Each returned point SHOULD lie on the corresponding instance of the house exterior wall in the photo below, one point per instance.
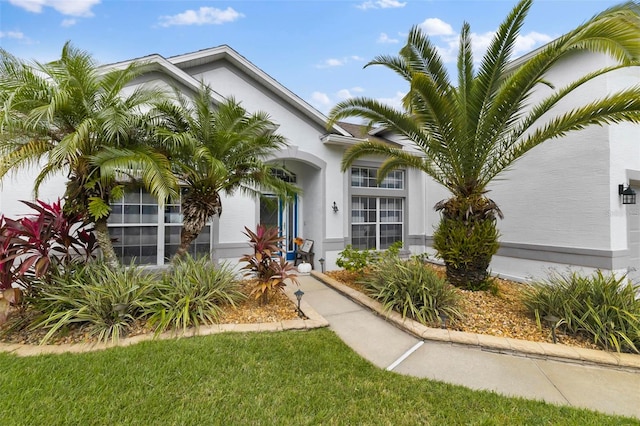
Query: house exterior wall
(560, 201)
(18, 187)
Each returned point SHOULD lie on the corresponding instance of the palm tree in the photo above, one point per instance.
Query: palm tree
(70, 116)
(216, 149)
(470, 133)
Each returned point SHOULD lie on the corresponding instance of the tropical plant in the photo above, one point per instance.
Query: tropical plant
(35, 246)
(605, 307)
(413, 290)
(8, 254)
(470, 131)
(353, 260)
(105, 300)
(193, 293)
(266, 265)
(467, 243)
(50, 238)
(72, 117)
(216, 149)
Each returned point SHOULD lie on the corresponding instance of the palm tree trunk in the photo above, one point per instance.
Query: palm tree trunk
(197, 208)
(466, 239)
(188, 233)
(466, 247)
(104, 241)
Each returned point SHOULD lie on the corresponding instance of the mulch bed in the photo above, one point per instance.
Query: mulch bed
(250, 311)
(501, 314)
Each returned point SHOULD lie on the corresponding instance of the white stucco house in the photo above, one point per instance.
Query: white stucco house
(561, 203)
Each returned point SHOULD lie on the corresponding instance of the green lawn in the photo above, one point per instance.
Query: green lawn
(293, 377)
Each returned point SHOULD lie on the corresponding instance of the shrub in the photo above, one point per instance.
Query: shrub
(192, 294)
(265, 264)
(46, 240)
(466, 247)
(354, 260)
(412, 289)
(106, 300)
(603, 306)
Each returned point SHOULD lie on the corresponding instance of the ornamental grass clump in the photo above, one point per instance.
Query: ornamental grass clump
(604, 307)
(106, 300)
(413, 290)
(192, 294)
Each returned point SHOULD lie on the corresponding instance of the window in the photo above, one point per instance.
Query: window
(137, 229)
(377, 211)
(365, 177)
(173, 225)
(133, 225)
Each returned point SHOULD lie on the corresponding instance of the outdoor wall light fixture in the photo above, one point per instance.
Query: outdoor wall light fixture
(299, 293)
(628, 194)
(335, 207)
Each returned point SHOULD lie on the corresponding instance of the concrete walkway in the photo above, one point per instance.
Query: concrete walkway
(605, 388)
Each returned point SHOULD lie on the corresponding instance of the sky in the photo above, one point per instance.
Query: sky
(315, 48)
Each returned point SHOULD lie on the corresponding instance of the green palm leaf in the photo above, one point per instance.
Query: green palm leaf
(468, 135)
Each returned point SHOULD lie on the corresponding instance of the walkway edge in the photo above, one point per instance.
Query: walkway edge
(541, 350)
(313, 320)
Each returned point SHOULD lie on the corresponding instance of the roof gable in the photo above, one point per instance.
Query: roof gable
(176, 66)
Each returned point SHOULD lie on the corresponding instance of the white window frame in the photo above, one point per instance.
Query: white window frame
(161, 224)
(394, 187)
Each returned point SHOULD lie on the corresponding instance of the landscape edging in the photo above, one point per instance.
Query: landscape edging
(506, 345)
(312, 320)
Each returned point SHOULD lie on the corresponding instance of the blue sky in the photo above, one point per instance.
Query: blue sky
(317, 49)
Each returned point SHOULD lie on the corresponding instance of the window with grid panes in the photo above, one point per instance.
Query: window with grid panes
(133, 227)
(201, 246)
(377, 216)
(137, 228)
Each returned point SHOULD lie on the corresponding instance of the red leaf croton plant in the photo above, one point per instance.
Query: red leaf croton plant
(266, 263)
(38, 245)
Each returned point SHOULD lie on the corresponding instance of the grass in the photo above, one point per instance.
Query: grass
(254, 378)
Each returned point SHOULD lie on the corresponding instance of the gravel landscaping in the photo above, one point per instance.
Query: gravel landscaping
(250, 311)
(500, 313)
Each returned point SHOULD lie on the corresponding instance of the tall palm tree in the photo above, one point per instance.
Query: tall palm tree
(471, 132)
(216, 149)
(70, 116)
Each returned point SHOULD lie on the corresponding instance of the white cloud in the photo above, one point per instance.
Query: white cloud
(348, 93)
(480, 43)
(384, 38)
(524, 43)
(449, 45)
(202, 16)
(321, 99)
(331, 63)
(395, 102)
(381, 4)
(436, 27)
(17, 35)
(338, 62)
(65, 7)
(68, 23)
(344, 94)
(528, 42)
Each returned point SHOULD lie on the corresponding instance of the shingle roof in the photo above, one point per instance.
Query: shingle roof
(360, 131)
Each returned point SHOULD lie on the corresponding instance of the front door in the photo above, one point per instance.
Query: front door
(284, 215)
